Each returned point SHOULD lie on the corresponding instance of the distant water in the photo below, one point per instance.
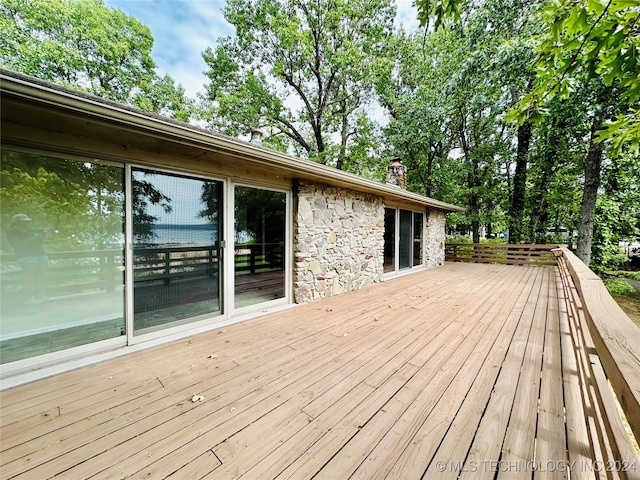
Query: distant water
(184, 234)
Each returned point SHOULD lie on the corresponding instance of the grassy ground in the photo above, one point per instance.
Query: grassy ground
(628, 298)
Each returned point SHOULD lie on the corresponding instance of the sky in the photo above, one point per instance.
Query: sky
(183, 29)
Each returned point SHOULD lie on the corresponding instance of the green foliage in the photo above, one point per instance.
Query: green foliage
(554, 190)
(617, 212)
(584, 89)
(260, 213)
(578, 39)
(86, 45)
(590, 39)
(448, 92)
(618, 287)
(166, 98)
(79, 205)
(302, 70)
(624, 274)
(413, 90)
(80, 43)
(459, 239)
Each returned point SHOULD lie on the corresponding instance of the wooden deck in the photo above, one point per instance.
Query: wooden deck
(458, 372)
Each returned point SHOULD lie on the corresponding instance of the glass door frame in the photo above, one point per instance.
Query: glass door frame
(229, 253)
(396, 261)
(30, 366)
(200, 321)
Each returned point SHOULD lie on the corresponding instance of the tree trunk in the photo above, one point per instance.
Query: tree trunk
(592, 167)
(516, 211)
(472, 181)
(474, 203)
(344, 137)
(540, 212)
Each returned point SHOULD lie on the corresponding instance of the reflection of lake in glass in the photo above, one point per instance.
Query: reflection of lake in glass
(171, 234)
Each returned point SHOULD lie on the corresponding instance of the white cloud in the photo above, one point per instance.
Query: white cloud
(183, 29)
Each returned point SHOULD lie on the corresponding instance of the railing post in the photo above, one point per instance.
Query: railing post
(210, 262)
(167, 267)
(252, 258)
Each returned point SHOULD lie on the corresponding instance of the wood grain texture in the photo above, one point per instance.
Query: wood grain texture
(463, 364)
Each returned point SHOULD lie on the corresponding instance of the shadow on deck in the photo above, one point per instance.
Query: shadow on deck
(465, 371)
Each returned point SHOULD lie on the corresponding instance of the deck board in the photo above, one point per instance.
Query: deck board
(462, 364)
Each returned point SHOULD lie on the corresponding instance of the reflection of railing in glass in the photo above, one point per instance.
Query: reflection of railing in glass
(74, 272)
(169, 263)
(258, 257)
(70, 272)
(102, 270)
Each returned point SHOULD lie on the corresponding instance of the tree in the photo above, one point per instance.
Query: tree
(301, 69)
(447, 96)
(617, 212)
(412, 89)
(85, 45)
(90, 215)
(581, 43)
(166, 98)
(558, 150)
(592, 38)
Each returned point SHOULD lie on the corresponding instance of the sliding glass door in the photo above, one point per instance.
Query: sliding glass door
(177, 261)
(61, 254)
(389, 240)
(403, 240)
(68, 280)
(260, 217)
(418, 239)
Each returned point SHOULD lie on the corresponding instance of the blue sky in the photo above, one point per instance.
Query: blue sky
(183, 29)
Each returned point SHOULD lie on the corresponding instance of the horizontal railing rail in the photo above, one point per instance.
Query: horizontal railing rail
(606, 348)
(258, 256)
(509, 254)
(70, 272)
(601, 354)
(171, 263)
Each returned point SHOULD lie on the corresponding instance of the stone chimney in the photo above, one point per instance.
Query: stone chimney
(397, 173)
(256, 136)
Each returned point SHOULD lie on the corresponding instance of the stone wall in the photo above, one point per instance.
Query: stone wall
(338, 241)
(434, 238)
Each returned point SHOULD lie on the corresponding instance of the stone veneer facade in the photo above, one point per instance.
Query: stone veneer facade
(338, 241)
(434, 238)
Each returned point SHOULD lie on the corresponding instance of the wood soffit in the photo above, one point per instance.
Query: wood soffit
(30, 102)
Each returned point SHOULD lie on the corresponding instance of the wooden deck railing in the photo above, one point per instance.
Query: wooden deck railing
(602, 351)
(519, 254)
(600, 354)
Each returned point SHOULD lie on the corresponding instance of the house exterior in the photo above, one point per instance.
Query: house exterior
(122, 229)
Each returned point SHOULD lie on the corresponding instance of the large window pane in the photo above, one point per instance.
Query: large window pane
(259, 228)
(406, 239)
(417, 238)
(176, 254)
(389, 239)
(61, 260)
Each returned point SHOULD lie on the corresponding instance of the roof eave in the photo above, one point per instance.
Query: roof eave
(24, 86)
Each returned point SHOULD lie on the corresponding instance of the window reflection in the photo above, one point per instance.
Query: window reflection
(176, 261)
(259, 230)
(389, 240)
(61, 254)
(418, 232)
